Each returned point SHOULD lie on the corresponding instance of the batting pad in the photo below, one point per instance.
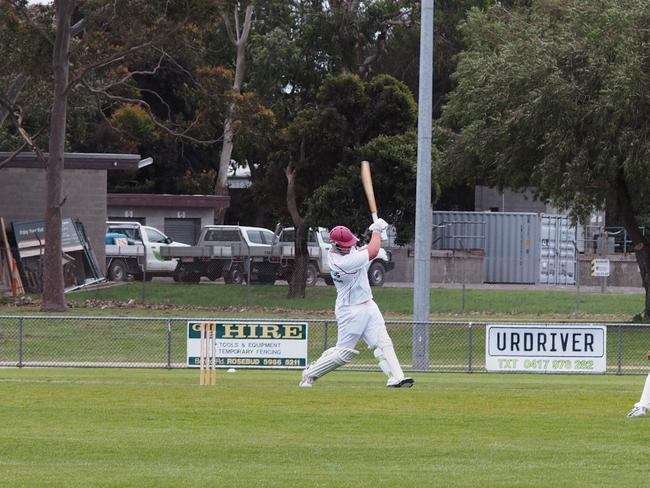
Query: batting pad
(388, 361)
(383, 364)
(331, 359)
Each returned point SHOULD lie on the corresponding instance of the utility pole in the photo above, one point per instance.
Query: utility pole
(423, 229)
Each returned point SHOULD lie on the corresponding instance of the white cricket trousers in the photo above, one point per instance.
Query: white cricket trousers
(644, 401)
(362, 321)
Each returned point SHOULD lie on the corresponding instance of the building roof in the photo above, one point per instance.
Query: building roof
(166, 200)
(125, 162)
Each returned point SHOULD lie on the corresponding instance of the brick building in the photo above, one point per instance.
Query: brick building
(23, 190)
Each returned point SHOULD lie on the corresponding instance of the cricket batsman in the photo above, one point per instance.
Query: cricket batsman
(357, 314)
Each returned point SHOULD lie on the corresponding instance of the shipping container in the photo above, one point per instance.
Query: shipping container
(519, 247)
(558, 248)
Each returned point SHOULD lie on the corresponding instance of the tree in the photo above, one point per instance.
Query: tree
(239, 38)
(320, 151)
(394, 173)
(94, 63)
(52, 269)
(555, 97)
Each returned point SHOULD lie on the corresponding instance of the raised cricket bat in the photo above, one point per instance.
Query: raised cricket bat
(366, 181)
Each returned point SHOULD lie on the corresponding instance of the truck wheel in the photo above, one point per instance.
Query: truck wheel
(266, 279)
(235, 276)
(182, 275)
(117, 271)
(311, 276)
(192, 278)
(376, 274)
(179, 274)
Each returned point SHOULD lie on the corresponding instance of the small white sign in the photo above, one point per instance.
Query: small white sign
(600, 267)
(546, 348)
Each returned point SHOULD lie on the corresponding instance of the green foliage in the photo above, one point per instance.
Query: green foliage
(393, 166)
(135, 125)
(293, 48)
(345, 94)
(553, 97)
(197, 183)
(392, 108)
(213, 93)
(354, 120)
(24, 50)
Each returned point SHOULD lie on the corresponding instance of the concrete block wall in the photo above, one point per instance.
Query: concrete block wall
(22, 198)
(446, 266)
(623, 271)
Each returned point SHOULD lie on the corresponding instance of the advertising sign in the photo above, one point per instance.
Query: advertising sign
(250, 344)
(546, 348)
(30, 237)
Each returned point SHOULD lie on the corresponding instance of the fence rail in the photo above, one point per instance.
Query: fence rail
(160, 342)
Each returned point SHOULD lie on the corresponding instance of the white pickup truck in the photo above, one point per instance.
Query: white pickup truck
(133, 249)
(223, 251)
(232, 252)
(318, 245)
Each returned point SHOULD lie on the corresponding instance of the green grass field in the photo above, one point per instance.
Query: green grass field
(99, 427)
(156, 428)
(157, 298)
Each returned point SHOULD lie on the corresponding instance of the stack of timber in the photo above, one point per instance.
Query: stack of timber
(10, 281)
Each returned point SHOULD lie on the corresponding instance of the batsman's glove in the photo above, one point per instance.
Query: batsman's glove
(379, 225)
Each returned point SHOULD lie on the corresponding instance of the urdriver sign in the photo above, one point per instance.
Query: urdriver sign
(546, 348)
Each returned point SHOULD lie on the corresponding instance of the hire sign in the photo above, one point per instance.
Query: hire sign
(248, 344)
(546, 348)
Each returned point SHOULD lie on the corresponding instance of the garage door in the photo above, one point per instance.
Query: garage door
(183, 230)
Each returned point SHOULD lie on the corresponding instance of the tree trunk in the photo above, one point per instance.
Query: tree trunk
(640, 244)
(297, 285)
(297, 280)
(643, 259)
(53, 297)
(240, 40)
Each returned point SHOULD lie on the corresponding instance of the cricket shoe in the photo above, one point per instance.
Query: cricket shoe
(637, 412)
(403, 383)
(306, 381)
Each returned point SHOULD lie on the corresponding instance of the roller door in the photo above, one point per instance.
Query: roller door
(183, 230)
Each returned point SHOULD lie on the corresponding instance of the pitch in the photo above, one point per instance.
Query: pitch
(158, 428)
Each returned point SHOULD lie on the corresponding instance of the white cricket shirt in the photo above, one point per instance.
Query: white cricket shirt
(350, 275)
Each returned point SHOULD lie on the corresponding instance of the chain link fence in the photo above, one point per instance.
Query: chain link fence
(155, 342)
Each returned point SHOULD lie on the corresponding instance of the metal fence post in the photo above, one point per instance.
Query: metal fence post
(169, 343)
(462, 302)
(247, 269)
(577, 275)
(21, 335)
(325, 336)
(470, 344)
(620, 350)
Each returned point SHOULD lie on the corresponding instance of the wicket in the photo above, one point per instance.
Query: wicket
(208, 356)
